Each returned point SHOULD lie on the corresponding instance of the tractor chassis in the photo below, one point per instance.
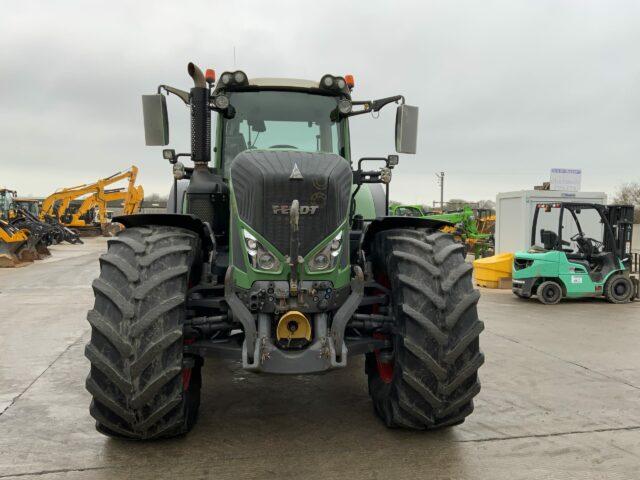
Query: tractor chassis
(254, 344)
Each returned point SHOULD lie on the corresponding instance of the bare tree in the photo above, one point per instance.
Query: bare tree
(155, 197)
(629, 194)
(487, 204)
(456, 204)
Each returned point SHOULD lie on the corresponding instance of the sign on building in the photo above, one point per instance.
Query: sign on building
(566, 179)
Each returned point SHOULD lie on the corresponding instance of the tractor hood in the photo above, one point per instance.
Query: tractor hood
(265, 184)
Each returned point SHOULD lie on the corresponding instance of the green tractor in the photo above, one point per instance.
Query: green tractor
(407, 210)
(278, 253)
(578, 250)
(461, 223)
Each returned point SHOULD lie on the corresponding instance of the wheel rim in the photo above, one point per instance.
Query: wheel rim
(620, 289)
(550, 293)
(186, 378)
(384, 366)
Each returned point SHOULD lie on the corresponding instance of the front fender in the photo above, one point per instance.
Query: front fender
(189, 222)
(387, 223)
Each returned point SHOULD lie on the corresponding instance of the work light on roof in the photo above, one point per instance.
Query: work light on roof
(327, 81)
(226, 78)
(239, 77)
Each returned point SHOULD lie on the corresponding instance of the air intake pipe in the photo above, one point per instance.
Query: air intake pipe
(200, 117)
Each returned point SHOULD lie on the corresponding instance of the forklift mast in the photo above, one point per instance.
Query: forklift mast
(620, 218)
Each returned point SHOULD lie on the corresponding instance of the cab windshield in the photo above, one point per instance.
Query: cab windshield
(280, 120)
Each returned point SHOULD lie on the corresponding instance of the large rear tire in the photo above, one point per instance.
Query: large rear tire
(428, 378)
(142, 385)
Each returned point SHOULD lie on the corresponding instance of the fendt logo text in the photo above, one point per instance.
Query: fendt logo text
(304, 209)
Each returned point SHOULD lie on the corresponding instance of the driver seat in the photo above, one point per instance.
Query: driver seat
(549, 239)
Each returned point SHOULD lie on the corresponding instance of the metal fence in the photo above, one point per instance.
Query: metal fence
(635, 262)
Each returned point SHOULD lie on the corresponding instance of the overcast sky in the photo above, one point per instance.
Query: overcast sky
(507, 89)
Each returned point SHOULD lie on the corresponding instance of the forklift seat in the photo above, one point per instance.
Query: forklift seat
(549, 239)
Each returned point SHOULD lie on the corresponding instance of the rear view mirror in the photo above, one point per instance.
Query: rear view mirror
(156, 122)
(406, 129)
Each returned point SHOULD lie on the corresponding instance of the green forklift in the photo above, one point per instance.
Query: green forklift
(577, 250)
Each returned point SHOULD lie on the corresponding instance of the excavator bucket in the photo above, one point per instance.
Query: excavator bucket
(42, 250)
(16, 246)
(8, 257)
(14, 254)
(28, 254)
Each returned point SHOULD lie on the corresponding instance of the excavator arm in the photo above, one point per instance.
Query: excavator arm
(98, 197)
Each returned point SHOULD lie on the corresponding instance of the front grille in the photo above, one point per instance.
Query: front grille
(263, 186)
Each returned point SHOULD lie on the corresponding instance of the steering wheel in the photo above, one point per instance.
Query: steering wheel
(283, 146)
(585, 244)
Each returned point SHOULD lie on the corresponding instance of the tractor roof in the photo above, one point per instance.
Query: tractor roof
(283, 82)
(332, 85)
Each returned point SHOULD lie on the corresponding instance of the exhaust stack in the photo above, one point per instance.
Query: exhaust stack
(200, 117)
(196, 74)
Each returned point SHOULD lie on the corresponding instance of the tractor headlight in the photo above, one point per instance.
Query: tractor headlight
(259, 257)
(327, 258)
(266, 261)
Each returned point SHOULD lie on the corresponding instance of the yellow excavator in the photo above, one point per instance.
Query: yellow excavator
(96, 198)
(15, 243)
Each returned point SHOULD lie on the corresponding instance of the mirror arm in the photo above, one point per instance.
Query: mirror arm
(373, 105)
(376, 105)
(181, 94)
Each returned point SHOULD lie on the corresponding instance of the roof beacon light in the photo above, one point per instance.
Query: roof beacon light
(350, 81)
(210, 75)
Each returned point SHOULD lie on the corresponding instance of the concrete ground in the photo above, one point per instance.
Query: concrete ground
(560, 399)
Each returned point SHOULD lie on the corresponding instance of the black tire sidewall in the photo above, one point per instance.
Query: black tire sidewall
(611, 294)
(547, 287)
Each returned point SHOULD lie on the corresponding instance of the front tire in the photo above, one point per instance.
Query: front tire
(142, 385)
(619, 289)
(431, 378)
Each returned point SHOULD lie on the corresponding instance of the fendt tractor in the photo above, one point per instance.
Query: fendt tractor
(278, 251)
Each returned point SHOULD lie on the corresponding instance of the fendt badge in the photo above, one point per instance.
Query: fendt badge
(304, 209)
(295, 173)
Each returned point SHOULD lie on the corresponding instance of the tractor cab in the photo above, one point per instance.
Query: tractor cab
(7, 206)
(577, 250)
(407, 210)
(31, 205)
